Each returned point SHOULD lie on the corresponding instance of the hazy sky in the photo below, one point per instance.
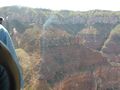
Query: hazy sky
(81, 5)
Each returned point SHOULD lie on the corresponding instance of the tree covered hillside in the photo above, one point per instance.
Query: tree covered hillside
(66, 50)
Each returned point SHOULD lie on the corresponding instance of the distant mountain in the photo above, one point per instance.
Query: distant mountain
(21, 17)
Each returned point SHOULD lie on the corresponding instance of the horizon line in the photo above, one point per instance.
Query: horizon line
(20, 6)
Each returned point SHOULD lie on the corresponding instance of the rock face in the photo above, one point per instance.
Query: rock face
(112, 45)
(61, 61)
(108, 78)
(84, 81)
(90, 37)
(101, 79)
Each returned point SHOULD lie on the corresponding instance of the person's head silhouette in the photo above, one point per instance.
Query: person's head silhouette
(1, 20)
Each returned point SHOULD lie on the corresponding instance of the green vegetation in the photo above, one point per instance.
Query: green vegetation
(116, 30)
(115, 34)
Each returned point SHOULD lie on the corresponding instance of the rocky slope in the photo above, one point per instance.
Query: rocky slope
(68, 43)
(61, 61)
